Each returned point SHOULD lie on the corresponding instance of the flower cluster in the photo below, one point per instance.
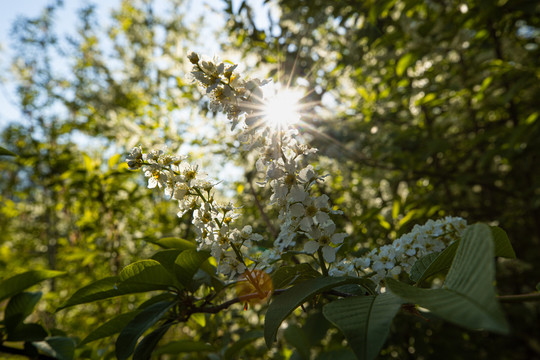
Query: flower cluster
(213, 222)
(400, 256)
(283, 161)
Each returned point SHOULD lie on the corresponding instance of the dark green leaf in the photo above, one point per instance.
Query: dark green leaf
(104, 289)
(144, 349)
(468, 297)
(141, 322)
(364, 320)
(289, 275)
(63, 347)
(296, 337)
(187, 264)
(503, 247)
(111, 327)
(167, 258)
(182, 346)
(284, 304)
(434, 263)
(19, 307)
(20, 282)
(237, 346)
(4, 151)
(27, 332)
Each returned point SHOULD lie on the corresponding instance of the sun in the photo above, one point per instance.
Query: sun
(282, 109)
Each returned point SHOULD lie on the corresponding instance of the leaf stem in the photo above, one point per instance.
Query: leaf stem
(519, 297)
(321, 262)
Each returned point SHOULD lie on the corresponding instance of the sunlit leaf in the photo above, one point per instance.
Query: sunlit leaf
(20, 282)
(404, 62)
(187, 263)
(147, 272)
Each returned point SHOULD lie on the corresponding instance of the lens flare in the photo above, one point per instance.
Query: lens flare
(282, 109)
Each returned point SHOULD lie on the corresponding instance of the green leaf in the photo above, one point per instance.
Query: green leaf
(296, 337)
(20, 282)
(468, 297)
(147, 272)
(27, 332)
(503, 247)
(182, 346)
(103, 289)
(174, 243)
(364, 320)
(538, 287)
(19, 307)
(187, 263)
(290, 275)
(135, 328)
(434, 263)
(403, 63)
(237, 346)
(144, 350)
(284, 304)
(167, 258)
(59, 347)
(4, 151)
(111, 327)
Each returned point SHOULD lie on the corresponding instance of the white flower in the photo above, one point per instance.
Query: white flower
(324, 239)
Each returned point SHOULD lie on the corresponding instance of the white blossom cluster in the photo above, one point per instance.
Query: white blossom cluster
(305, 221)
(400, 256)
(213, 222)
(282, 158)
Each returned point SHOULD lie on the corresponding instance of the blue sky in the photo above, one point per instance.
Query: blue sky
(11, 9)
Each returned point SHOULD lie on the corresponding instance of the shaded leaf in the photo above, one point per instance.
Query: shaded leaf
(125, 344)
(503, 247)
(284, 304)
(289, 275)
(27, 332)
(111, 327)
(104, 289)
(182, 346)
(364, 320)
(432, 264)
(20, 282)
(296, 337)
(19, 307)
(237, 346)
(144, 349)
(4, 151)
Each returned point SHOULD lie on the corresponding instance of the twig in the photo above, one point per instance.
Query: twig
(535, 296)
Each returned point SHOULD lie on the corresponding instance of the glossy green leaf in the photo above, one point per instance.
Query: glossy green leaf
(20, 282)
(125, 344)
(183, 346)
(289, 275)
(468, 297)
(111, 327)
(104, 289)
(187, 263)
(147, 272)
(146, 346)
(503, 247)
(174, 243)
(434, 263)
(440, 262)
(27, 332)
(167, 258)
(283, 305)
(4, 151)
(237, 346)
(60, 347)
(19, 307)
(364, 320)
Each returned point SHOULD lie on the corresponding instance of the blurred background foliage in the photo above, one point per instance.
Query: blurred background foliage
(424, 109)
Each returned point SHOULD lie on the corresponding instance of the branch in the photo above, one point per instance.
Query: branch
(535, 296)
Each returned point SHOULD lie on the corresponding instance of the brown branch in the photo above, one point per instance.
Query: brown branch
(535, 296)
